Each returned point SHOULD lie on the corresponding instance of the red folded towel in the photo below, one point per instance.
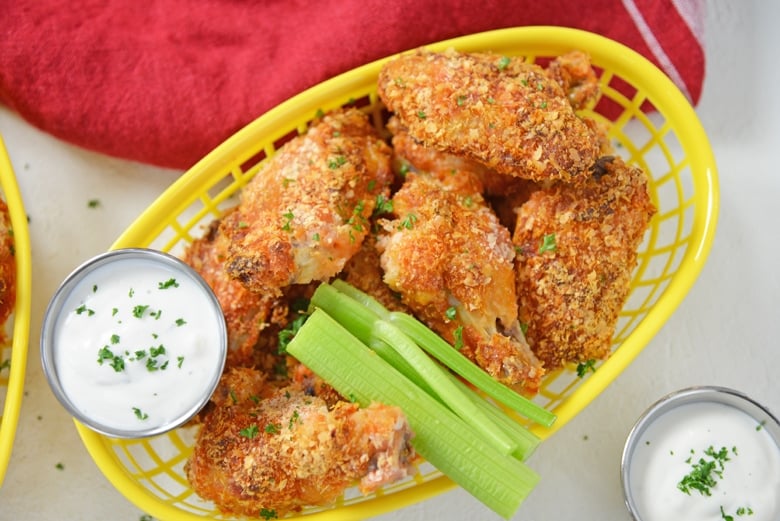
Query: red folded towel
(163, 82)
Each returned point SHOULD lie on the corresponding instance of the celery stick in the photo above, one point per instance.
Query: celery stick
(526, 441)
(368, 328)
(447, 391)
(438, 348)
(442, 438)
(364, 298)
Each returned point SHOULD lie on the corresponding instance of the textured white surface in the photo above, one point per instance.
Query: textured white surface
(724, 333)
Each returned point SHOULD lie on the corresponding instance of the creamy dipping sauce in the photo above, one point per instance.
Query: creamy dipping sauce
(711, 447)
(137, 345)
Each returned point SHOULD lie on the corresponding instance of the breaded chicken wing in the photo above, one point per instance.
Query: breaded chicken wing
(504, 192)
(452, 262)
(7, 267)
(306, 212)
(503, 112)
(278, 449)
(577, 247)
(246, 313)
(364, 272)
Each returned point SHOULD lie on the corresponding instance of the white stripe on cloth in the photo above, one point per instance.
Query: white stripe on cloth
(655, 46)
(692, 12)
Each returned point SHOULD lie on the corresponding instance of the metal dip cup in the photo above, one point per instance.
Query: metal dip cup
(174, 387)
(764, 420)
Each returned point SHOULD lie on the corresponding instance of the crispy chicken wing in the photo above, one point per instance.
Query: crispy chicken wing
(577, 247)
(306, 212)
(452, 262)
(503, 112)
(246, 313)
(504, 192)
(276, 449)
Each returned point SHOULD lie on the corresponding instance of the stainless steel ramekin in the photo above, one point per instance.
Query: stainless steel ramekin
(54, 312)
(722, 395)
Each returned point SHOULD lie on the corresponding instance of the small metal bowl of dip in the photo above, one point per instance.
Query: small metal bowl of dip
(133, 343)
(703, 453)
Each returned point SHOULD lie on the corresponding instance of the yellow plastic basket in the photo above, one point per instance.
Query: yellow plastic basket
(667, 140)
(14, 350)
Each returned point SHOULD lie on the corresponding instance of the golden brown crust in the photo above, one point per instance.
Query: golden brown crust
(281, 449)
(246, 313)
(570, 295)
(446, 250)
(305, 214)
(503, 112)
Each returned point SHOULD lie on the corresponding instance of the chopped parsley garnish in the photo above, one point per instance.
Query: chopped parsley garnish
(288, 216)
(289, 332)
(337, 162)
(461, 100)
(272, 428)
(5, 364)
(154, 352)
(408, 222)
(138, 311)
(458, 338)
(84, 309)
(179, 361)
(249, 432)
(268, 513)
(170, 283)
(704, 473)
(421, 115)
(140, 414)
(383, 205)
(741, 511)
(93, 203)
(584, 367)
(180, 322)
(114, 339)
(293, 419)
(548, 243)
(59, 466)
(503, 63)
(451, 313)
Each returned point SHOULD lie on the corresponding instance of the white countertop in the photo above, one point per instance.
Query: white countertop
(724, 333)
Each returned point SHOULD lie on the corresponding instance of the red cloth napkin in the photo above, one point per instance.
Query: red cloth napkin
(165, 81)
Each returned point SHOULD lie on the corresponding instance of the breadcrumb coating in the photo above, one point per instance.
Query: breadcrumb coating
(577, 248)
(503, 112)
(306, 212)
(279, 449)
(452, 263)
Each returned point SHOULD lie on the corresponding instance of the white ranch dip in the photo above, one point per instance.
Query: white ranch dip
(137, 344)
(743, 457)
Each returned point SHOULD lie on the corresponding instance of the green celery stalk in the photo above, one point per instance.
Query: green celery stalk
(440, 349)
(441, 437)
(370, 329)
(526, 441)
(447, 391)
